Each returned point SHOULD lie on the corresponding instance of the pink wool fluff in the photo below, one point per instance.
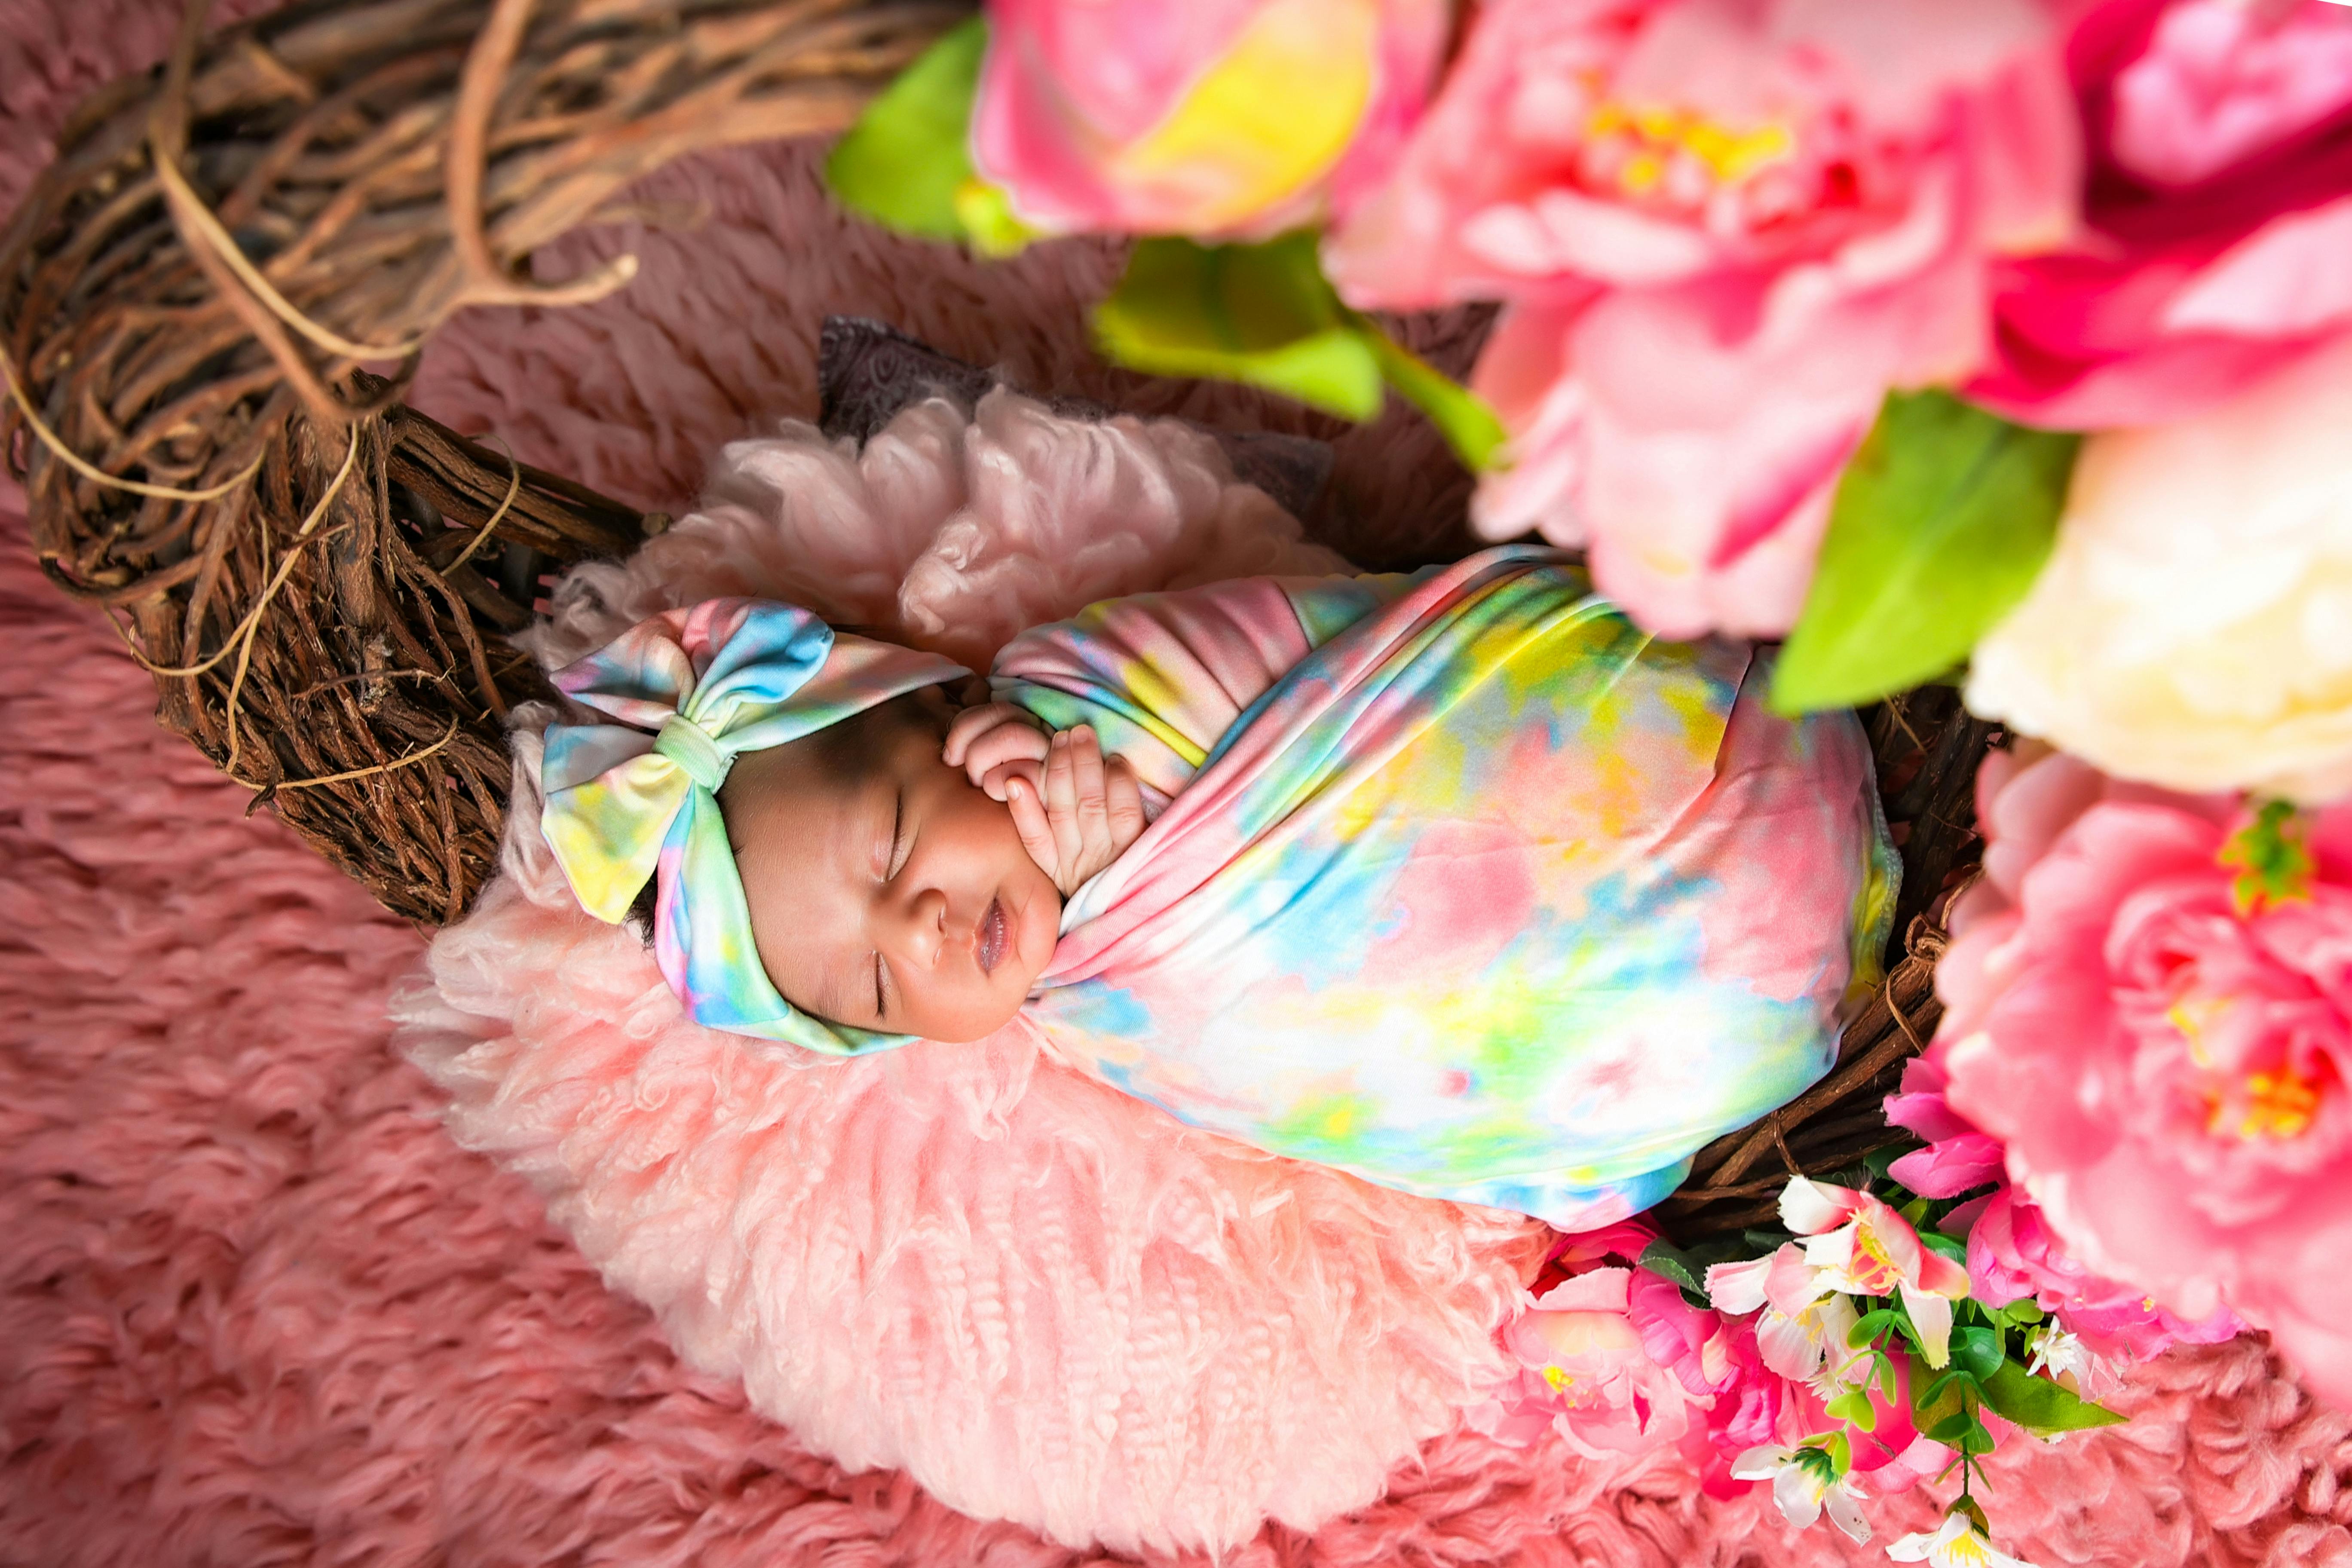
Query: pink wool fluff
(257, 1307)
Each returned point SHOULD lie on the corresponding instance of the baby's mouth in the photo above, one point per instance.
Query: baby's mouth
(993, 933)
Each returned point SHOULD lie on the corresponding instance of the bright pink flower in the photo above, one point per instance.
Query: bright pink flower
(2163, 1040)
(1711, 1392)
(1608, 1395)
(2012, 1252)
(1208, 117)
(1584, 1368)
(1724, 231)
(2218, 214)
(1799, 1335)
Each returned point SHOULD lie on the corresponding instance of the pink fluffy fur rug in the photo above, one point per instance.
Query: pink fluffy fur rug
(257, 1306)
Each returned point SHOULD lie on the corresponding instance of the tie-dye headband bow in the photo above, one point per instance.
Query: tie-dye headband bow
(694, 688)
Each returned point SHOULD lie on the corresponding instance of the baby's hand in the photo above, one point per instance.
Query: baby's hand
(1090, 814)
(994, 744)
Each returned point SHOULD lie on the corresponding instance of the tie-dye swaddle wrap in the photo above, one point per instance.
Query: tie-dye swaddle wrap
(1486, 896)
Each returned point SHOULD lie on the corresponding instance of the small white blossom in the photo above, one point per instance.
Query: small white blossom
(1958, 1543)
(1805, 1483)
(2057, 1353)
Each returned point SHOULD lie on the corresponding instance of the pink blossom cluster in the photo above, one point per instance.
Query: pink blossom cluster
(1613, 1360)
(2014, 1253)
(1724, 232)
(2148, 1035)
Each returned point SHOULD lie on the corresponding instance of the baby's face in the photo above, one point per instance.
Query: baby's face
(898, 898)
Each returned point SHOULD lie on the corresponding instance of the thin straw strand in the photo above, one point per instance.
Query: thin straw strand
(514, 488)
(455, 722)
(191, 210)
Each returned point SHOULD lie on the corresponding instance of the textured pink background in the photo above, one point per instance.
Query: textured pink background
(256, 1309)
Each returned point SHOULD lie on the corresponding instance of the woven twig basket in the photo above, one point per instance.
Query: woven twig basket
(323, 581)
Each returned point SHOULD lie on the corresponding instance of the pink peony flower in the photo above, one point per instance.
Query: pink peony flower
(2015, 1254)
(1585, 1370)
(1712, 1395)
(2012, 1252)
(2151, 1003)
(1212, 116)
(1724, 231)
(2217, 215)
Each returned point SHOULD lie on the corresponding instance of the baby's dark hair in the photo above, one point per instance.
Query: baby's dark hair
(840, 752)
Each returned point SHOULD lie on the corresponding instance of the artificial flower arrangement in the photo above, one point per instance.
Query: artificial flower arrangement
(2008, 343)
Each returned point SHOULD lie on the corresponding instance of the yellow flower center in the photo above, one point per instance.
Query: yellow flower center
(1559, 1378)
(2194, 1015)
(1644, 143)
(1873, 1270)
(2280, 1104)
(1969, 1550)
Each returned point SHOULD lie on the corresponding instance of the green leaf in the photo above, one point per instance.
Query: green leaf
(1940, 524)
(907, 159)
(1937, 1395)
(1668, 1261)
(1257, 313)
(1950, 1429)
(990, 224)
(1466, 421)
(1977, 1351)
(1869, 1326)
(1963, 1431)
(2039, 1404)
(1663, 1258)
(1854, 1407)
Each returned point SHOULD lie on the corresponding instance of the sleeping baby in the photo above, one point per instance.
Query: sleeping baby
(1454, 880)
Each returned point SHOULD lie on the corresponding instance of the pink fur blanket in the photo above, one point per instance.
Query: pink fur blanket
(256, 1306)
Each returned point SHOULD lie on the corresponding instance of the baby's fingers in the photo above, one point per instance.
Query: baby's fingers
(1124, 805)
(997, 779)
(1087, 770)
(1008, 746)
(1062, 802)
(1029, 820)
(964, 726)
(982, 749)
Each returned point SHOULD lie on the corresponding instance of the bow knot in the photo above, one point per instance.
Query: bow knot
(689, 745)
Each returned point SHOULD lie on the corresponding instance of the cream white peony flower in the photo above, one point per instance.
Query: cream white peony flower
(2193, 628)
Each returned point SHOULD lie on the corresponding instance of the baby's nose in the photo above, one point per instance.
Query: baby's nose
(923, 927)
